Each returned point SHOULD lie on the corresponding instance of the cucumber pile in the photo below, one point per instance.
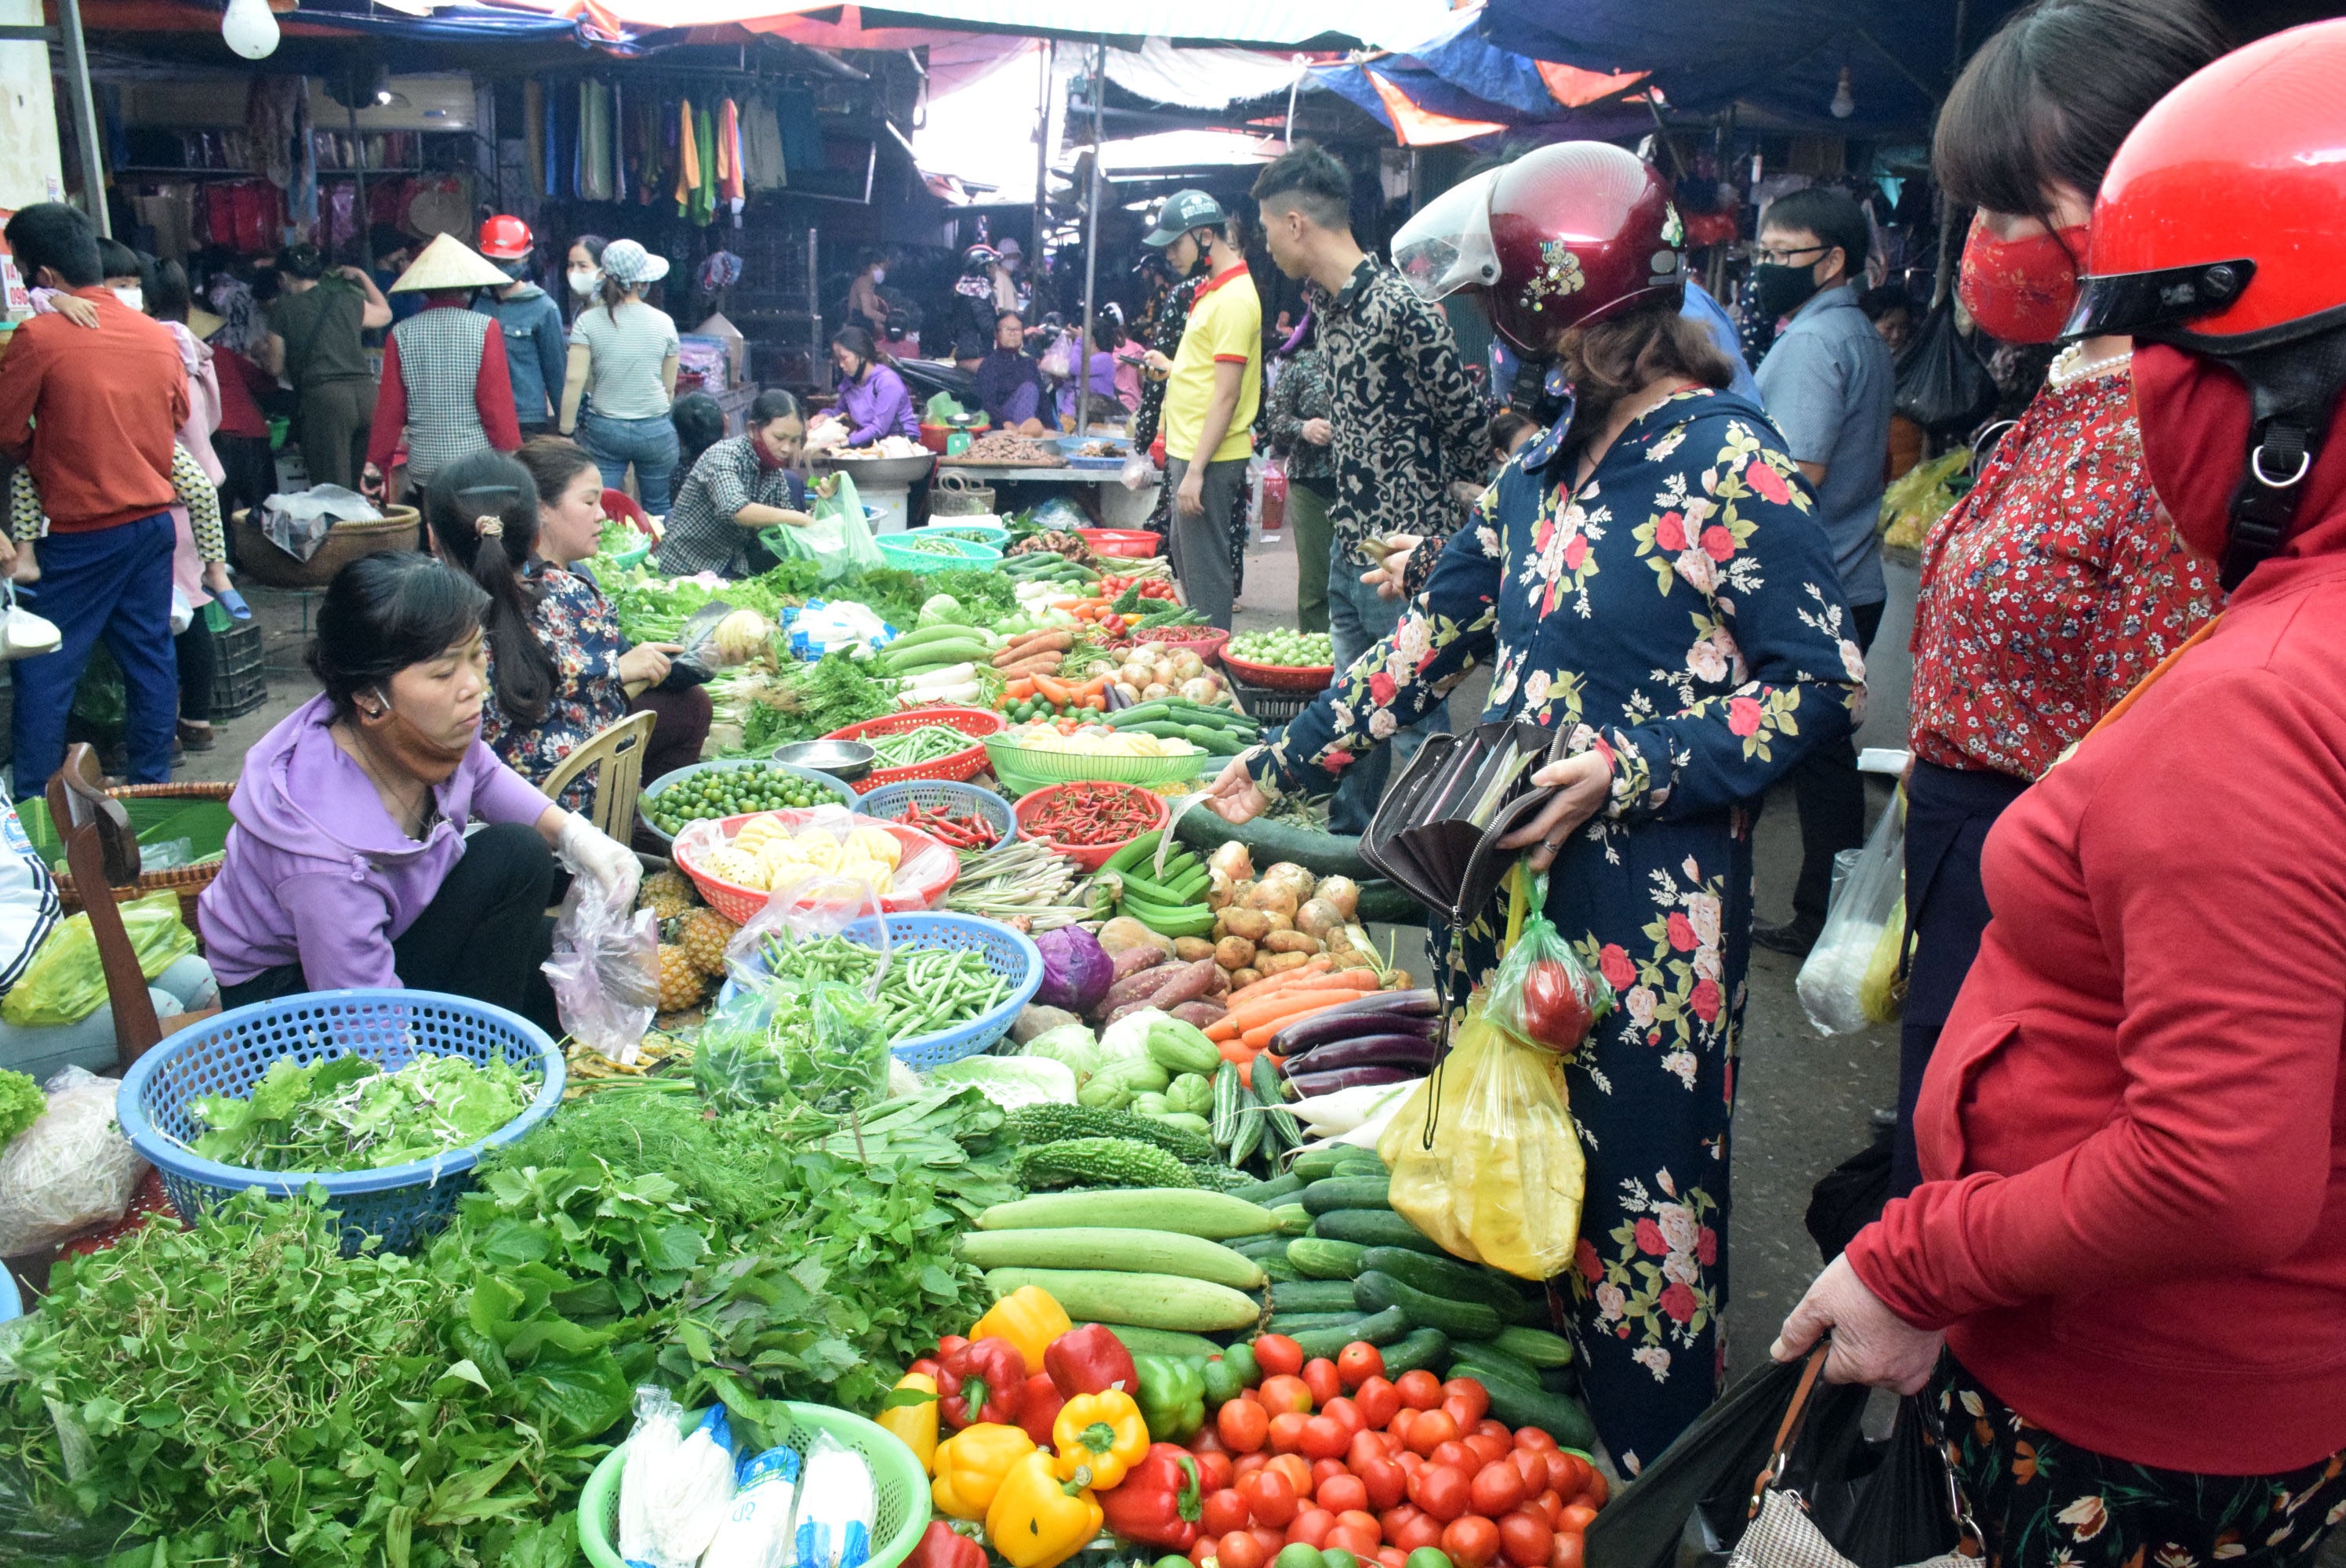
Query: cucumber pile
(1149, 1258)
(1223, 731)
(1042, 566)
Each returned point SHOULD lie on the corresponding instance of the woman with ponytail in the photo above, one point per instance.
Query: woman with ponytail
(559, 672)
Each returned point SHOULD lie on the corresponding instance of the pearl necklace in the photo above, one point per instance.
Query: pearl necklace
(2070, 366)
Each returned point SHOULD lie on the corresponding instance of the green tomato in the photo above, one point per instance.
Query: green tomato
(1299, 1554)
(1428, 1557)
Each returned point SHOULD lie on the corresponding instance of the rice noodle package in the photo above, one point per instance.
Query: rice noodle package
(69, 1171)
(780, 852)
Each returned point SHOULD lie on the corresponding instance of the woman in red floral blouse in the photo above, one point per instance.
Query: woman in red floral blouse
(2058, 582)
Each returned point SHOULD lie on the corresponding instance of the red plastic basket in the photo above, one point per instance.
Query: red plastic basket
(1091, 857)
(738, 903)
(1280, 676)
(977, 723)
(1205, 642)
(1127, 544)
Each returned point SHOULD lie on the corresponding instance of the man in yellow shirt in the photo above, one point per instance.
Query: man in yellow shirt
(1213, 388)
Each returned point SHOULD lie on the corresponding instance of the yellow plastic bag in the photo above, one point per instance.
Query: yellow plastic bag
(67, 982)
(1484, 1155)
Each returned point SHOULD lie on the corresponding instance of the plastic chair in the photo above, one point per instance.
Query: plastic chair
(616, 754)
(621, 506)
(102, 852)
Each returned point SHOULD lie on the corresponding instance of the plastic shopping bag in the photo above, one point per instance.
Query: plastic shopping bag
(605, 971)
(66, 982)
(677, 1485)
(1543, 992)
(1847, 979)
(298, 521)
(838, 540)
(69, 1170)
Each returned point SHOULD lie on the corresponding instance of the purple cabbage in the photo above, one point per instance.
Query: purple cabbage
(1077, 971)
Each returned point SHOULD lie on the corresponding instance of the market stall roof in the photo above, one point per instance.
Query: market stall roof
(1270, 23)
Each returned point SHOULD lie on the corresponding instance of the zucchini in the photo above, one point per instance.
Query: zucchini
(1348, 1191)
(1423, 1348)
(1121, 1249)
(1144, 1300)
(1560, 1417)
(1321, 1296)
(1316, 1258)
(1484, 1361)
(1161, 1341)
(1377, 1329)
(1373, 1227)
(1293, 1323)
(1259, 1247)
(1535, 1346)
(1268, 1193)
(1226, 1105)
(1216, 1216)
(1316, 1165)
(1374, 1292)
(1449, 1279)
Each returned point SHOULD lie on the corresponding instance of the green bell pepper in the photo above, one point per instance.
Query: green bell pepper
(1172, 1396)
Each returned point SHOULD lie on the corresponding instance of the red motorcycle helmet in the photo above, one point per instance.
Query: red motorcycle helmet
(1568, 234)
(2219, 230)
(505, 239)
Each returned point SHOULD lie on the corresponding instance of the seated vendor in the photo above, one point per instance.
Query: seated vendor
(348, 864)
(872, 402)
(740, 485)
(1009, 382)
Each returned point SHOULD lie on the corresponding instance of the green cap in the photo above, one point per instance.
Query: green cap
(1184, 210)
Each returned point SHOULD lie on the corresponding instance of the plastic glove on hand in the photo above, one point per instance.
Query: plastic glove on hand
(588, 851)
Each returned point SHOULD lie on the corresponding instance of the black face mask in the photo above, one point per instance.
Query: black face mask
(1780, 287)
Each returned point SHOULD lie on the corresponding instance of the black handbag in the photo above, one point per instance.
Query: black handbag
(1436, 835)
(1943, 385)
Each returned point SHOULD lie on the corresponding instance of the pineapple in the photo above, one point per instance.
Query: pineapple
(681, 984)
(703, 933)
(667, 894)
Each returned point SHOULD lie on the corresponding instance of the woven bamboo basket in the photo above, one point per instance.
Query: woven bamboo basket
(260, 558)
(187, 881)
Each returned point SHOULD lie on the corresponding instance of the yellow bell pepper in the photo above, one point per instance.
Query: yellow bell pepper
(1038, 1520)
(971, 1465)
(1029, 1318)
(915, 1424)
(1099, 1437)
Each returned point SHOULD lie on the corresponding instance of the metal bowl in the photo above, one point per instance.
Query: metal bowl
(882, 472)
(845, 761)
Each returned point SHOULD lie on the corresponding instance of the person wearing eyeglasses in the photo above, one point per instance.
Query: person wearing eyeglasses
(1828, 383)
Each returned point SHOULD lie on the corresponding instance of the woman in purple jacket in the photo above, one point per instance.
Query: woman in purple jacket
(872, 402)
(348, 865)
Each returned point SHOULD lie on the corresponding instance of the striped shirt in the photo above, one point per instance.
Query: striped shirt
(627, 350)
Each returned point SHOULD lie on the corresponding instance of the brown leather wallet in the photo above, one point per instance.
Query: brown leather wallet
(1425, 835)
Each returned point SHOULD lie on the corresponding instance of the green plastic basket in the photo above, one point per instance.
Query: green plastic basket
(966, 553)
(1023, 771)
(898, 1483)
(154, 819)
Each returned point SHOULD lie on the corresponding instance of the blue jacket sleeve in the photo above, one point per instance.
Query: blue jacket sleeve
(553, 360)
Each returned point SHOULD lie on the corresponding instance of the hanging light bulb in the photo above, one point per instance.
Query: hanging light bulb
(249, 29)
(1844, 102)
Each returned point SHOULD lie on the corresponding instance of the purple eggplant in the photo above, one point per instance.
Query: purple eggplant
(1374, 1051)
(1407, 1004)
(1309, 1085)
(1318, 1032)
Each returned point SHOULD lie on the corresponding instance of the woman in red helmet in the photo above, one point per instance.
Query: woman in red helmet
(1648, 577)
(536, 348)
(2124, 1275)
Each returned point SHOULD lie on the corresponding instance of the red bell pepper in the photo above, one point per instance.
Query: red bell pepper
(941, 1546)
(1090, 1361)
(1038, 1407)
(981, 1380)
(1158, 1500)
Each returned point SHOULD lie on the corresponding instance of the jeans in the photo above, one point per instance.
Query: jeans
(1358, 620)
(331, 422)
(186, 985)
(650, 443)
(1830, 795)
(1199, 543)
(482, 935)
(114, 583)
(1307, 506)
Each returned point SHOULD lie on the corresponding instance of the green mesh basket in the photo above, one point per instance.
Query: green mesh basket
(1023, 771)
(898, 1484)
(946, 554)
(155, 819)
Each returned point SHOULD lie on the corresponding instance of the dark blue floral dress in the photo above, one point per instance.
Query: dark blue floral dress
(1680, 614)
(576, 625)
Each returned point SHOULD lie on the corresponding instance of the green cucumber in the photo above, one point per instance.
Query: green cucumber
(1484, 1360)
(1558, 1415)
(1294, 1218)
(1374, 1292)
(1276, 1269)
(1373, 1227)
(1347, 1192)
(1123, 1249)
(1161, 1341)
(1269, 1194)
(1293, 1323)
(1358, 1162)
(1535, 1346)
(1316, 1165)
(1449, 1279)
(1321, 1296)
(1377, 1329)
(1259, 1247)
(1316, 1258)
(1425, 1348)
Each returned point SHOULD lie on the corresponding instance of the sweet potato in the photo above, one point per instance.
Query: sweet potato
(1201, 1013)
(1133, 960)
(1187, 983)
(1137, 986)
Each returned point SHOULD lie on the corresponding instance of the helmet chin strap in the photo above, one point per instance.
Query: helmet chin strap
(2292, 388)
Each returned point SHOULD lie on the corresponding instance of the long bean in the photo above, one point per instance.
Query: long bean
(929, 743)
(925, 990)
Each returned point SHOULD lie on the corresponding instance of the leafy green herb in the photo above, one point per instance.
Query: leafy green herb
(20, 1105)
(345, 1113)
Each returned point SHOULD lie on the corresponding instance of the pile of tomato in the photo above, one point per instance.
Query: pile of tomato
(1407, 1472)
(1150, 587)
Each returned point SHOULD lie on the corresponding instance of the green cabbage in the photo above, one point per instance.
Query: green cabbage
(943, 610)
(1071, 1044)
(1013, 1081)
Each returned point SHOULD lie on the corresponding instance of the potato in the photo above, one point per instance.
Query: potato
(1278, 922)
(1190, 949)
(1280, 962)
(1341, 891)
(1352, 958)
(1291, 941)
(1271, 897)
(1234, 952)
(1124, 931)
(1242, 978)
(1252, 925)
(1318, 918)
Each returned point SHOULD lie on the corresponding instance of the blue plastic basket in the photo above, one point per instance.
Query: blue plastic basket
(12, 1305)
(404, 1205)
(823, 781)
(893, 800)
(967, 554)
(1006, 952)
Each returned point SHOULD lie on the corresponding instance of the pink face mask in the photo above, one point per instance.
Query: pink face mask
(2021, 290)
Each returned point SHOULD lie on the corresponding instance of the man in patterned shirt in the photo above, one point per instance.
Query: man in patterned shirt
(1408, 424)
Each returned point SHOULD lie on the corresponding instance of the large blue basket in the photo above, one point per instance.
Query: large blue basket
(893, 800)
(12, 1305)
(404, 1205)
(1006, 952)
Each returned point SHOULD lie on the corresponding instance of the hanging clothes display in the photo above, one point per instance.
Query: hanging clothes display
(704, 195)
(596, 179)
(533, 122)
(688, 167)
(801, 142)
(763, 166)
(618, 144)
(730, 189)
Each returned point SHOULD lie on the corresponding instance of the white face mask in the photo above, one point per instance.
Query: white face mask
(878, 275)
(135, 298)
(584, 282)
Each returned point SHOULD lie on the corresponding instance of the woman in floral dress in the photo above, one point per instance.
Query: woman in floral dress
(1649, 576)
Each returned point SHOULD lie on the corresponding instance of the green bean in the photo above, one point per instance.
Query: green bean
(929, 743)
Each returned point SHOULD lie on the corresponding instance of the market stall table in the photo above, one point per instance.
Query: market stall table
(1102, 505)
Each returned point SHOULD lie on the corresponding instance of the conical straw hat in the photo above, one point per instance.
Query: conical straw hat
(448, 264)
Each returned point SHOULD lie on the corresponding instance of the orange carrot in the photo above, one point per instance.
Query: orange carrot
(1285, 1005)
(1020, 690)
(1314, 970)
(1050, 688)
(1233, 1051)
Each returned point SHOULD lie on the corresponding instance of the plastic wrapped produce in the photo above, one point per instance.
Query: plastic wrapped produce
(69, 1171)
(837, 1507)
(678, 1486)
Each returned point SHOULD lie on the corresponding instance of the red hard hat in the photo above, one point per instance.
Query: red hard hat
(1583, 231)
(2221, 221)
(505, 239)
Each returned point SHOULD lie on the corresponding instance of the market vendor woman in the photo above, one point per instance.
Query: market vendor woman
(738, 487)
(1651, 578)
(348, 864)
